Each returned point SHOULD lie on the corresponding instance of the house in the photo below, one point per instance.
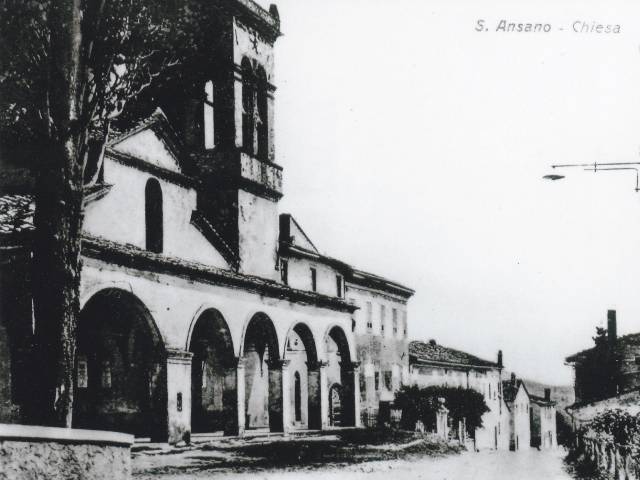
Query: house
(543, 421)
(611, 367)
(517, 399)
(432, 364)
(202, 307)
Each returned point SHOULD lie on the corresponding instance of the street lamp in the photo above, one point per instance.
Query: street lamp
(597, 167)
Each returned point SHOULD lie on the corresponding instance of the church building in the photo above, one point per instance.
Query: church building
(203, 308)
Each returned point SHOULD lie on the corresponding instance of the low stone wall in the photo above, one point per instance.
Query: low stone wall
(616, 461)
(29, 452)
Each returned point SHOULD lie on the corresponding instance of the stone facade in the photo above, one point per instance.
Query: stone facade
(434, 365)
(202, 308)
(61, 454)
(610, 368)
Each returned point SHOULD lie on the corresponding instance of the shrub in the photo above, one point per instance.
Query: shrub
(422, 404)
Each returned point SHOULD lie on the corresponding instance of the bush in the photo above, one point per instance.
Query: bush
(422, 404)
(617, 426)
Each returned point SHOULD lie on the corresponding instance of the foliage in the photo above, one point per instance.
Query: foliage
(67, 69)
(617, 426)
(422, 404)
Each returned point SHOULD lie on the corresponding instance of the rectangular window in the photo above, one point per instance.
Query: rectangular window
(382, 319)
(387, 379)
(314, 284)
(339, 286)
(284, 271)
(394, 320)
(404, 323)
(209, 141)
(376, 380)
(369, 316)
(106, 375)
(82, 377)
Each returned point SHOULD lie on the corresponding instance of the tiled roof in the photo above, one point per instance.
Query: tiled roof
(432, 352)
(542, 401)
(16, 214)
(510, 390)
(630, 339)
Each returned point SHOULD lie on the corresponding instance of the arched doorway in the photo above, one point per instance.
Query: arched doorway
(335, 405)
(263, 375)
(340, 373)
(120, 376)
(213, 375)
(305, 378)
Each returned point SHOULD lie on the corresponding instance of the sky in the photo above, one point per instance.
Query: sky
(414, 147)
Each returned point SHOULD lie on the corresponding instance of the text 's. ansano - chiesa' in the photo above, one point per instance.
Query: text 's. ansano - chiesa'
(203, 308)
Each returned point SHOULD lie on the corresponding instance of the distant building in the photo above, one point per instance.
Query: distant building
(517, 399)
(543, 421)
(431, 364)
(609, 368)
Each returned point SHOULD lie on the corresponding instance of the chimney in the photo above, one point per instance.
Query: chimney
(612, 328)
(499, 358)
(513, 379)
(547, 394)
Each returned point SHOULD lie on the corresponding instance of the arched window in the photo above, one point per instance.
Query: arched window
(248, 106)
(262, 119)
(153, 215)
(208, 116)
(297, 393)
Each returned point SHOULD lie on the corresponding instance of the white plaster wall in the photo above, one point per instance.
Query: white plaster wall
(258, 233)
(176, 303)
(146, 146)
(299, 276)
(521, 420)
(548, 425)
(120, 215)
(361, 296)
(249, 43)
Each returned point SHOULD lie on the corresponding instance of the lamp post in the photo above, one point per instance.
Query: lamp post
(597, 167)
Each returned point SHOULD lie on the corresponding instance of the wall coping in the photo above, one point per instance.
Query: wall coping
(31, 433)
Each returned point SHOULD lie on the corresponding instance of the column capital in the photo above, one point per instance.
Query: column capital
(350, 366)
(234, 362)
(278, 364)
(176, 355)
(316, 364)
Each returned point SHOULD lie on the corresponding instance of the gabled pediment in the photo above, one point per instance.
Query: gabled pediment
(152, 141)
(291, 233)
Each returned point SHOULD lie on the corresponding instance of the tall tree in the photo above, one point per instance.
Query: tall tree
(67, 69)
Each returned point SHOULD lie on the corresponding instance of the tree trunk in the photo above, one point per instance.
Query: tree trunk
(58, 222)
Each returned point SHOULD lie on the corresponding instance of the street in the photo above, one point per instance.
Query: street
(489, 465)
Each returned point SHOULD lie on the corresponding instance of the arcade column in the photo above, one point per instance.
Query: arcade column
(178, 395)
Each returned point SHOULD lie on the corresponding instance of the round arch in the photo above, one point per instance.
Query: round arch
(260, 356)
(120, 367)
(212, 373)
(260, 330)
(341, 376)
(303, 331)
(301, 353)
(337, 334)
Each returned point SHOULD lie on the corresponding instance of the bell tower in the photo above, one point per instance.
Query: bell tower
(233, 145)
